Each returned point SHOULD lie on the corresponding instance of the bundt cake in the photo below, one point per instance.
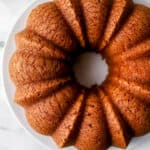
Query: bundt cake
(55, 103)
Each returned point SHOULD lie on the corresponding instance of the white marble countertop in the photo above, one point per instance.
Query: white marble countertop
(12, 136)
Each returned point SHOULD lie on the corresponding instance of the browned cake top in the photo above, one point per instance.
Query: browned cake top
(42, 70)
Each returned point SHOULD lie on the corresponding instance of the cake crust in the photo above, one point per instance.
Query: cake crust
(92, 133)
(55, 103)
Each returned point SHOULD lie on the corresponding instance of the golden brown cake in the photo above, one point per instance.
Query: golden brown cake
(42, 70)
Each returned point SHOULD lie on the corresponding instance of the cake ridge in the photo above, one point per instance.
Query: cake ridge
(71, 11)
(92, 132)
(122, 41)
(134, 111)
(42, 119)
(43, 68)
(66, 128)
(118, 130)
(29, 93)
(113, 25)
(139, 90)
(134, 70)
(94, 27)
(140, 50)
(50, 11)
(27, 40)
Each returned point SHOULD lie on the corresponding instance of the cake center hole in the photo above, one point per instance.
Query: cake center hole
(90, 69)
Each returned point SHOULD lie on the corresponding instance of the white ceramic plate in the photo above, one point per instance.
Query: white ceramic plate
(136, 144)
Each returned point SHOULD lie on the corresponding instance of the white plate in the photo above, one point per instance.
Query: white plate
(137, 143)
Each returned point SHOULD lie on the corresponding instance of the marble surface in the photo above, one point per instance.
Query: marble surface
(12, 136)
